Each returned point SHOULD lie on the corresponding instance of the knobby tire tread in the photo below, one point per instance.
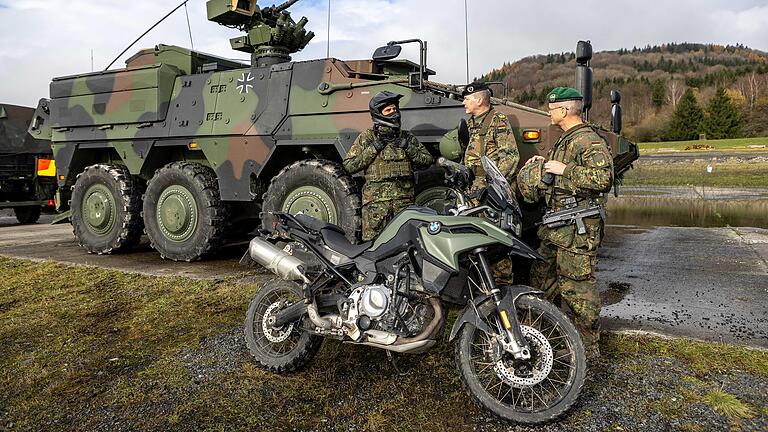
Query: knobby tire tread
(130, 191)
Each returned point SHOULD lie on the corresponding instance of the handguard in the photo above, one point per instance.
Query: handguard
(573, 214)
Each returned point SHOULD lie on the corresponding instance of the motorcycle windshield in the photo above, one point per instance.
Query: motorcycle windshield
(494, 177)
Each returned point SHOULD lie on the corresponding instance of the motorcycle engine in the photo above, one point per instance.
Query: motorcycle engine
(370, 307)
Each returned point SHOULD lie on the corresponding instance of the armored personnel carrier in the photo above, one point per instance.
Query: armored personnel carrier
(27, 169)
(192, 148)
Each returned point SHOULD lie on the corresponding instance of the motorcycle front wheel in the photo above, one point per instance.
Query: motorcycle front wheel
(278, 349)
(535, 391)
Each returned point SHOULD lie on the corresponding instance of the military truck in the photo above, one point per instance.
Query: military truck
(192, 148)
(27, 168)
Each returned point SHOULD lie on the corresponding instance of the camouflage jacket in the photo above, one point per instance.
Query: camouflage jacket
(588, 174)
(388, 173)
(490, 135)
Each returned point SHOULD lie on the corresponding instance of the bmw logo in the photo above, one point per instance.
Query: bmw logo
(434, 227)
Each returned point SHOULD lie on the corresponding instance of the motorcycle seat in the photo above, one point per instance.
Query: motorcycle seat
(338, 241)
(333, 236)
(315, 224)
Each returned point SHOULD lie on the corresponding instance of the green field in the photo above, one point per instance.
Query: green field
(725, 144)
(724, 174)
(92, 349)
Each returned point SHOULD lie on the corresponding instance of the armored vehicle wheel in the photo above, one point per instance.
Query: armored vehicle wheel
(184, 216)
(27, 215)
(432, 192)
(317, 188)
(106, 209)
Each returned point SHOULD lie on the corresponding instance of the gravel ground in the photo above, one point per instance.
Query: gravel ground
(646, 392)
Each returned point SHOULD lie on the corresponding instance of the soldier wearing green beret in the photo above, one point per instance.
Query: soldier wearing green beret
(583, 169)
(490, 135)
(388, 156)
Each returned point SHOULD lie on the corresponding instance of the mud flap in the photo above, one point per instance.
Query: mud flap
(469, 314)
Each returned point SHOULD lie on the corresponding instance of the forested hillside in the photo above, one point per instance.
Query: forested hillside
(728, 86)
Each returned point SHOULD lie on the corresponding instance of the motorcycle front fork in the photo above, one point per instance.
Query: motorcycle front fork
(513, 340)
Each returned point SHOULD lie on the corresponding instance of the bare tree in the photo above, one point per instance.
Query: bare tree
(674, 92)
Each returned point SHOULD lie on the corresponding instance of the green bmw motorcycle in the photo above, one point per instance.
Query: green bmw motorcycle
(517, 354)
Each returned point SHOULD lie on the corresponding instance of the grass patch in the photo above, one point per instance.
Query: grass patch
(728, 405)
(729, 174)
(703, 358)
(724, 144)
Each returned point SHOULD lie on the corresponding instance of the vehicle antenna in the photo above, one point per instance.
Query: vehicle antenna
(466, 36)
(145, 33)
(189, 27)
(328, 49)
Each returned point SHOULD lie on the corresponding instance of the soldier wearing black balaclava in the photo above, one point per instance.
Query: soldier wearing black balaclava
(387, 155)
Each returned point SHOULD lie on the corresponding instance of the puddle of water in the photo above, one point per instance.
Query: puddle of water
(659, 211)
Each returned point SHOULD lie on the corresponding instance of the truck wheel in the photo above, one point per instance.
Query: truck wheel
(106, 209)
(184, 216)
(27, 215)
(318, 188)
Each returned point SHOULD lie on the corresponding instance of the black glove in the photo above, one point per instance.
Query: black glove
(379, 144)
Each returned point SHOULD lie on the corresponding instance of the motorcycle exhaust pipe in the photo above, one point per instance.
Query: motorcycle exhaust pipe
(277, 260)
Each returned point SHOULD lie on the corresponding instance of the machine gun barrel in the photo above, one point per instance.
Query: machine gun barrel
(285, 5)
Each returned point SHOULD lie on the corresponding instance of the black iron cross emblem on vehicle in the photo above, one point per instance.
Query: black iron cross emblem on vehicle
(243, 84)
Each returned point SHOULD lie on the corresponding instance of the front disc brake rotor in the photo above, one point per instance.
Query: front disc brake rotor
(536, 370)
(275, 334)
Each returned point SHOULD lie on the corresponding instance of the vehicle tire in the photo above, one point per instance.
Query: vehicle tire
(317, 188)
(432, 192)
(184, 216)
(521, 391)
(27, 215)
(106, 209)
(284, 349)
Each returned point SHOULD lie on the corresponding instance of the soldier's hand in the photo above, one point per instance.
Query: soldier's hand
(534, 159)
(554, 167)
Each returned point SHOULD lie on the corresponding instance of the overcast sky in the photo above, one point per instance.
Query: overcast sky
(42, 39)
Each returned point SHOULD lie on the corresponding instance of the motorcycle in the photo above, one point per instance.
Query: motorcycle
(518, 355)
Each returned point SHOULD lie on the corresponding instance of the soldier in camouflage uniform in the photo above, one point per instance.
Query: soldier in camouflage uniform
(583, 168)
(490, 135)
(387, 155)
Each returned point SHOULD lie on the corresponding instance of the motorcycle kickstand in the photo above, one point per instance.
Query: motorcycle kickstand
(391, 359)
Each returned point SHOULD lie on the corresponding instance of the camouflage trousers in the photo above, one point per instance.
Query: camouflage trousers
(502, 272)
(568, 276)
(376, 215)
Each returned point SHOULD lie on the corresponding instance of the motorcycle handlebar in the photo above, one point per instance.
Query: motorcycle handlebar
(445, 163)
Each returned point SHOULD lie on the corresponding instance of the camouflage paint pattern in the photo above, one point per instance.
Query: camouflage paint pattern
(495, 141)
(568, 271)
(389, 182)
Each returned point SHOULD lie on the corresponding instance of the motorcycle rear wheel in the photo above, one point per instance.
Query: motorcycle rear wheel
(284, 349)
(527, 392)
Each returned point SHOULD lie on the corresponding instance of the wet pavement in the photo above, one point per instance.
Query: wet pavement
(704, 283)
(57, 242)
